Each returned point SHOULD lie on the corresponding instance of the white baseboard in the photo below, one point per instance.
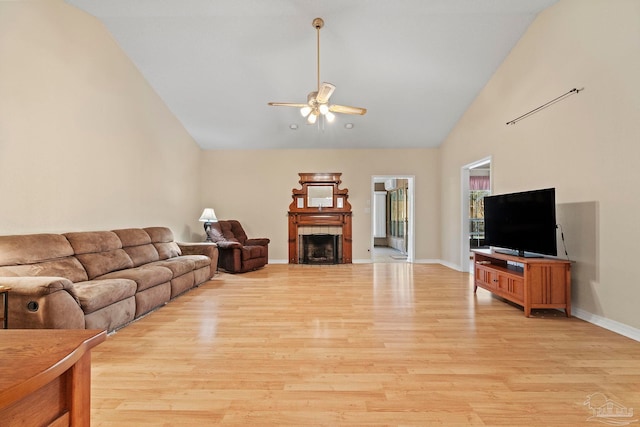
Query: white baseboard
(417, 261)
(603, 322)
(427, 261)
(450, 265)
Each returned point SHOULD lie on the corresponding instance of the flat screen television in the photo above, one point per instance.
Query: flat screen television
(524, 223)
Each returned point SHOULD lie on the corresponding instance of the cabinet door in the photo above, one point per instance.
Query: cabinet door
(516, 288)
(513, 286)
(485, 277)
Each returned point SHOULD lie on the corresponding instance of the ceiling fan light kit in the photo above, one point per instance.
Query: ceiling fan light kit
(318, 101)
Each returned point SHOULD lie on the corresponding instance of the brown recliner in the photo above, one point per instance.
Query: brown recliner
(237, 253)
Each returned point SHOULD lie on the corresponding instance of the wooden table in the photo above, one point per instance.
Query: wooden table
(45, 376)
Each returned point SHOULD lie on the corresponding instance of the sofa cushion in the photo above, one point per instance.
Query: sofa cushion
(167, 250)
(221, 231)
(250, 252)
(200, 261)
(132, 237)
(145, 276)
(137, 244)
(177, 265)
(162, 239)
(105, 262)
(96, 294)
(141, 255)
(33, 248)
(237, 231)
(100, 252)
(159, 234)
(87, 242)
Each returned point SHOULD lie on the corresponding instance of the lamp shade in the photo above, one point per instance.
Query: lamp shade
(208, 215)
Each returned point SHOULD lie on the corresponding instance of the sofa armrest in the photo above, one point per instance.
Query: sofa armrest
(36, 286)
(229, 245)
(208, 249)
(42, 303)
(257, 242)
(201, 248)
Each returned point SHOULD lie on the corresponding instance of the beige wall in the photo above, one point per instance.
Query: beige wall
(586, 146)
(85, 143)
(255, 188)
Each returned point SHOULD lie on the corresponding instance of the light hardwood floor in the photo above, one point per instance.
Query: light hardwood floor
(363, 344)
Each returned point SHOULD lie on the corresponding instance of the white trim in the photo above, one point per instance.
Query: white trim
(451, 266)
(603, 322)
(411, 195)
(465, 249)
(428, 261)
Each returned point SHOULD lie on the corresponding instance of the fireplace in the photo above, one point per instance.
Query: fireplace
(320, 221)
(320, 248)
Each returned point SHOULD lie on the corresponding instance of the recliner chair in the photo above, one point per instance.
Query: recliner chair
(237, 253)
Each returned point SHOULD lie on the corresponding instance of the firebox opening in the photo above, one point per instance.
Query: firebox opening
(320, 249)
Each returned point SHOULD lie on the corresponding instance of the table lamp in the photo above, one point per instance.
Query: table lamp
(208, 216)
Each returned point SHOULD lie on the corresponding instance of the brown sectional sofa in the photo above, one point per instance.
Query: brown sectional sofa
(98, 279)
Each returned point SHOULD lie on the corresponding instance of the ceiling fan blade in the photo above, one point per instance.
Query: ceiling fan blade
(345, 109)
(287, 104)
(324, 92)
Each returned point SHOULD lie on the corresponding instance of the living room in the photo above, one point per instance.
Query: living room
(87, 144)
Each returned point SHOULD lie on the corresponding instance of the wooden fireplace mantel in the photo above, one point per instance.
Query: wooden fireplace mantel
(320, 202)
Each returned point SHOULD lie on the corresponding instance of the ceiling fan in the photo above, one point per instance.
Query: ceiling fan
(318, 101)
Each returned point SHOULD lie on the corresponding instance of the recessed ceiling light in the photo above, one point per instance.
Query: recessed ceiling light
(348, 125)
(293, 126)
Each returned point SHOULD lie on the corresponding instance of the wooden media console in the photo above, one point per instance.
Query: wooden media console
(529, 282)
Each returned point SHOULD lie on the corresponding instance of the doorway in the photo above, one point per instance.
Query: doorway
(476, 184)
(392, 218)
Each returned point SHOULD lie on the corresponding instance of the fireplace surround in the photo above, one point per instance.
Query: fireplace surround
(320, 207)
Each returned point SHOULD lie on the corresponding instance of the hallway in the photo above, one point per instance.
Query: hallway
(385, 254)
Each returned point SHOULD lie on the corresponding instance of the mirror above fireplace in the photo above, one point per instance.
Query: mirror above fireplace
(320, 196)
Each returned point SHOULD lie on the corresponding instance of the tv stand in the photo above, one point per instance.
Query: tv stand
(529, 282)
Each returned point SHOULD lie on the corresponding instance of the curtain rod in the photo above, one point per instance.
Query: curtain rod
(543, 106)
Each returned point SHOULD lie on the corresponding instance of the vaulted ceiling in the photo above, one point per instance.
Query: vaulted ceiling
(416, 65)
